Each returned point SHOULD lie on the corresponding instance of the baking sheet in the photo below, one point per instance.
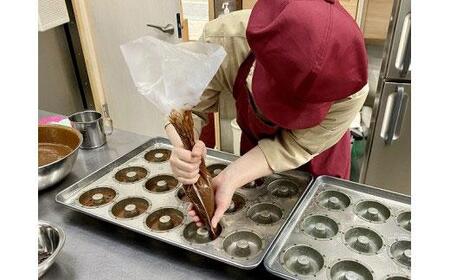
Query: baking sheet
(231, 223)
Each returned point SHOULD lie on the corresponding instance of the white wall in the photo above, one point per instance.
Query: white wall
(58, 89)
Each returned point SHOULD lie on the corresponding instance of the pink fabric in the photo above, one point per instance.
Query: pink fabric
(51, 119)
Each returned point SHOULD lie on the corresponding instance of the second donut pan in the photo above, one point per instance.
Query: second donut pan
(343, 231)
(138, 192)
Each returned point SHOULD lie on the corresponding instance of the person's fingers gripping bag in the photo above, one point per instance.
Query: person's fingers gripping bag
(172, 76)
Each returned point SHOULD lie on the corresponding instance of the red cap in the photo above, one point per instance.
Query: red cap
(309, 53)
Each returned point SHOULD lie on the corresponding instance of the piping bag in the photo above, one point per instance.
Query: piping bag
(173, 77)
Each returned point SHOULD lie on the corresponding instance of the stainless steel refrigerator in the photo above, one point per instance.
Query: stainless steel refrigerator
(387, 160)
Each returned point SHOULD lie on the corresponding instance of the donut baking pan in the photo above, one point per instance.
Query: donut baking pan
(138, 192)
(345, 231)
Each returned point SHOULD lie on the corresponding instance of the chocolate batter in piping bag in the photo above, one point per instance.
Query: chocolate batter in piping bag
(201, 194)
(173, 77)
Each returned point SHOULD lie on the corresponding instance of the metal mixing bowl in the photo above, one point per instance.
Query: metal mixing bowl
(51, 238)
(53, 172)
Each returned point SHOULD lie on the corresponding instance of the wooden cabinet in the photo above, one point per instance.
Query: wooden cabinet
(248, 4)
(376, 19)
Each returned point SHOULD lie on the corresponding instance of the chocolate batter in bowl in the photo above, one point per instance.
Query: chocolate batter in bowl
(50, 152)
(57, 151)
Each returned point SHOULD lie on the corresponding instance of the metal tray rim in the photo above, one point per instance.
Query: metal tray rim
(377, 189)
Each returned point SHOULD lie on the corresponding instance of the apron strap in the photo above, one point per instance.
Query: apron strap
(240, 85)
(253, 125)
(242, 74)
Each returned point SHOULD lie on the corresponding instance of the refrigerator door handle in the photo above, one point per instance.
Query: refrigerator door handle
(395, 118)
(407, 57)
(403, 58)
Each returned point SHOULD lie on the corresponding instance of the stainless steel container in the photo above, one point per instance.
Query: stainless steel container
(50, 241)
(90, 124)
(54, 135)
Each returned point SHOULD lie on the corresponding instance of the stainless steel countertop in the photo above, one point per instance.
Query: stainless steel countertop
(98, 250)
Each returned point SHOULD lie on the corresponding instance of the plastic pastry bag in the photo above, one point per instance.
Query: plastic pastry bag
(173, 77)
